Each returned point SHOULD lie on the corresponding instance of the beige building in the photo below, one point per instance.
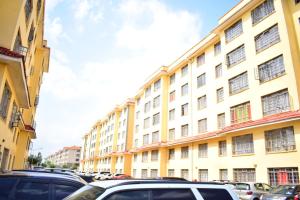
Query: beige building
(68, 156)
(228, 108)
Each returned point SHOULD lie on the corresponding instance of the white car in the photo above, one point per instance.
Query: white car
(153, 190)
(103, 176)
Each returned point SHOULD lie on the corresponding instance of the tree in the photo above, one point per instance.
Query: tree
(35, 160)
(39, 158)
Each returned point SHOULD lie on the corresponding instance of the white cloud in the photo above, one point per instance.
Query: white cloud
(51, 4)
(55, 30)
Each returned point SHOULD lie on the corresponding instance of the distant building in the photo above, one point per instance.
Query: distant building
(68, 156)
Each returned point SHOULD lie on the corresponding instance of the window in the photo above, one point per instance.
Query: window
(184, 89)
(134, 157)
(201, 80)
(236, 56)
(267, 38)
(145, 156)
(28, 9)
(184, 71)
(153, 173)
(14, 118)
(240, 113)
(148, 92)
(244, 175)
(156, 102)
(262, 11)
(201, 59)
(144, 174)
(171, 173)
(223, 174)
(157, 85)
(234, 31)
(6, 185)
(202, 150)
(38, 5)
(242, 144)
(172, 96)
(201, 103)
(62, 191)
(276, 102)
(5, 101)
(31, 35)
(156, 119)
(185, 174)
(184, 152)
(137, 115)
(217, 48)
(271, 69)
(129, 195)
(172, 114)
(238, 83)
(218, 71)
(184, 109)
(134, 173)
(283, 176)
(32, 190)
(278, 140)
(172, 134)
(203, 175)
(202, 125)
(172, 79)
(221, 121)
(155, 137)
(213, 194)
(154, 155)
(146, 139)
(146, 123)
(184, 130)
(220, 95)
(170, 194)
(147, 107)
(171, 154)
(222, 148)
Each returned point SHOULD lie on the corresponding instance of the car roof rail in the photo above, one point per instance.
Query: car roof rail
(155, 181)
(42, 171)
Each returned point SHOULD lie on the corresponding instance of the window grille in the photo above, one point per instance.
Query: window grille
(185, 174)
(202, 150)
(223, 174)
(267, 38)
(283, 176)
(202, 125)
(184, 152)
(171, 154)
(271, 69)
(222, 148)
(154, 173)
(172, 114)
(202, 103)
(146, 139)
(157, 85)
(184, 110)
(145, 156)
(262, 11)
(172, 134)
(244, 175)
(28, 9)
(184, 130)
(154, 155)
(236, 56)
(217, 48)
(203, 175)
(234, 31)
(156, 102)
(172, 96)
(201, 80)
(221, 121)
(276, 102)
(220, 95)
(156, 119)
(242, 144)
(240, 113)
(155, 137)
(172, 79)
(144, 173)
(184, 71)
(171, 173)
(146, 123)
(201, 59)
(278, 140)
(5, 101)
(238, 83)
(147, 107)
(218, 71)
(148, 92)
(184, 89)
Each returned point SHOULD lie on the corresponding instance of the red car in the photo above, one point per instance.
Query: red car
(121, 176)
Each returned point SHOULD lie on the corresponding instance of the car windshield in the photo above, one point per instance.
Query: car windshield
(87, 192)
(283, 189)
(242, 186)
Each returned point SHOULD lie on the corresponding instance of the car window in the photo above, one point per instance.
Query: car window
(87, 192)
(130, 195)
(259, 186)
(242, 186)
(267, 187)
(172, 194)
(6, 185)
(61, 191)
(27, 190)
(213, 194)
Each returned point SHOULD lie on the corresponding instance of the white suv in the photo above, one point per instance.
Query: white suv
(153, 190)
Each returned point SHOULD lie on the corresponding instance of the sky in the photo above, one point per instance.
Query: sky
(102, 51)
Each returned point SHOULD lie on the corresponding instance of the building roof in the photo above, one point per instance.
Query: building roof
(72, 148)
(7, 52)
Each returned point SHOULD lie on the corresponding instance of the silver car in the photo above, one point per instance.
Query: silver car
(250, 190)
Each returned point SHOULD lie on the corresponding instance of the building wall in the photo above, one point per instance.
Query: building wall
(68, 156)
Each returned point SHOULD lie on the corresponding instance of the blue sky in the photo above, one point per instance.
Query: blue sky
(103, 50)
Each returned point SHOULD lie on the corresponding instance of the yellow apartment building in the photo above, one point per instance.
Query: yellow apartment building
(228, 108)
(24, 57)
(106, 147)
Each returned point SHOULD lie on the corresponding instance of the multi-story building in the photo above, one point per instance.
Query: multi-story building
(24, 57)
(106, 147)
(229, 107)
(66, 157)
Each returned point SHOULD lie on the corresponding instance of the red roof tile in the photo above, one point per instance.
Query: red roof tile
(7, 52)
(29, 128)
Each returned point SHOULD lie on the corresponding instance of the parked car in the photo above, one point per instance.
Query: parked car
(152, 189)
(121, 176)
(101, 175)
(283, 192)
(30, 185)
(251, 190)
